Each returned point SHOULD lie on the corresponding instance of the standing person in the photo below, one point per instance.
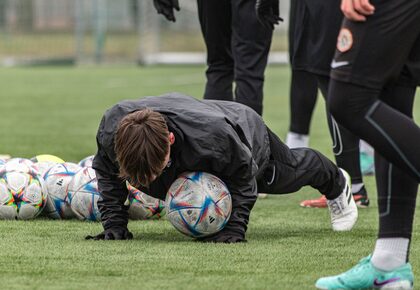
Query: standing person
(377, 69)
(237, 48)
(303, 96)
(303, 85)
(151, 141)
(315, 26)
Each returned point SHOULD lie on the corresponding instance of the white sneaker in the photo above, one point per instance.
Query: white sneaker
(343, 209)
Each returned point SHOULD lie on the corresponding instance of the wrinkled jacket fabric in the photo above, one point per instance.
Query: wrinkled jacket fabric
(226, 139)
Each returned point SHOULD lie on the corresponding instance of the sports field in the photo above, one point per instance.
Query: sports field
(57, 111)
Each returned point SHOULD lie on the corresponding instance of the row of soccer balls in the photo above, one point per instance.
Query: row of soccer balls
(197, 204)
(61, 190)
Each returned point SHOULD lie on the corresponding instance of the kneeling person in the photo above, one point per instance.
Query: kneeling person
(151, 141)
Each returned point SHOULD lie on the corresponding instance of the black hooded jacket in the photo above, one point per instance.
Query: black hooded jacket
(226, 139)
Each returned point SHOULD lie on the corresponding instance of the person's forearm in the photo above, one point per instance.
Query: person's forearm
(111, 203)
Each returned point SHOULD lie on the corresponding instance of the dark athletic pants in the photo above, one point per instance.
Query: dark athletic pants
(386, 124)
(372, 97)
(291, 169)
(314, 25)
(345, 144)
(303, 98)
(303, 95)
(237, 50)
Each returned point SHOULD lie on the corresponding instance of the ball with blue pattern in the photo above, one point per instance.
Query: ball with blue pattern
(83, 195)
(198, 204)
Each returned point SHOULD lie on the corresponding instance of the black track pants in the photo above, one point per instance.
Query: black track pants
(291, 169)
(237, 51)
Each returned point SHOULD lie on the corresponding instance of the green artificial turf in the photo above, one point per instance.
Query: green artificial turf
(57, 111)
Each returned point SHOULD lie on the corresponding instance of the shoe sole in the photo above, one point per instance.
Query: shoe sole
(359, 205)
(400, 285)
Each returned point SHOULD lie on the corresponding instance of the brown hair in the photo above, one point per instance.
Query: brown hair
(141, 145)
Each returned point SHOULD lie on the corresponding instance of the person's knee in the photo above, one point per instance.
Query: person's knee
(337, 103)
(349, 103)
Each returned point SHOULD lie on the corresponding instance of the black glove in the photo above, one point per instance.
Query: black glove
(115, 233)
(166, 7)
(227, 237)
(268, 12)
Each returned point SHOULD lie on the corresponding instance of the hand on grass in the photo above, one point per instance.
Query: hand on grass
(115, 233)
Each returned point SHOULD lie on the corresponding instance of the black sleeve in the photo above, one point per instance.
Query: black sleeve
(243, 199)
(237, 169)
(113, 191)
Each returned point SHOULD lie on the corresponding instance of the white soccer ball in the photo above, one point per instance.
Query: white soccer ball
(87, 161)
(22, 191)
(57, 180)
(43, 167)
(2, 162)
(143, 206)
(20, 164)
(83, 195)
(8, 207)
(44, 162)
(198, 204)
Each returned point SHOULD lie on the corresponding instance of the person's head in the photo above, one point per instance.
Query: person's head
(142, 146)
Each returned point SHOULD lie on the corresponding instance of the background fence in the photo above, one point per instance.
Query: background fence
(98, 31)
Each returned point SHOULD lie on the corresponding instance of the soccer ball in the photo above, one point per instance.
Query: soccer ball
(20, 164)
(143, 206)
(43, 167)
(57, 179)
(87, 162)
(44, 162)
(22, 191)
(198, 204)
(83, 195)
